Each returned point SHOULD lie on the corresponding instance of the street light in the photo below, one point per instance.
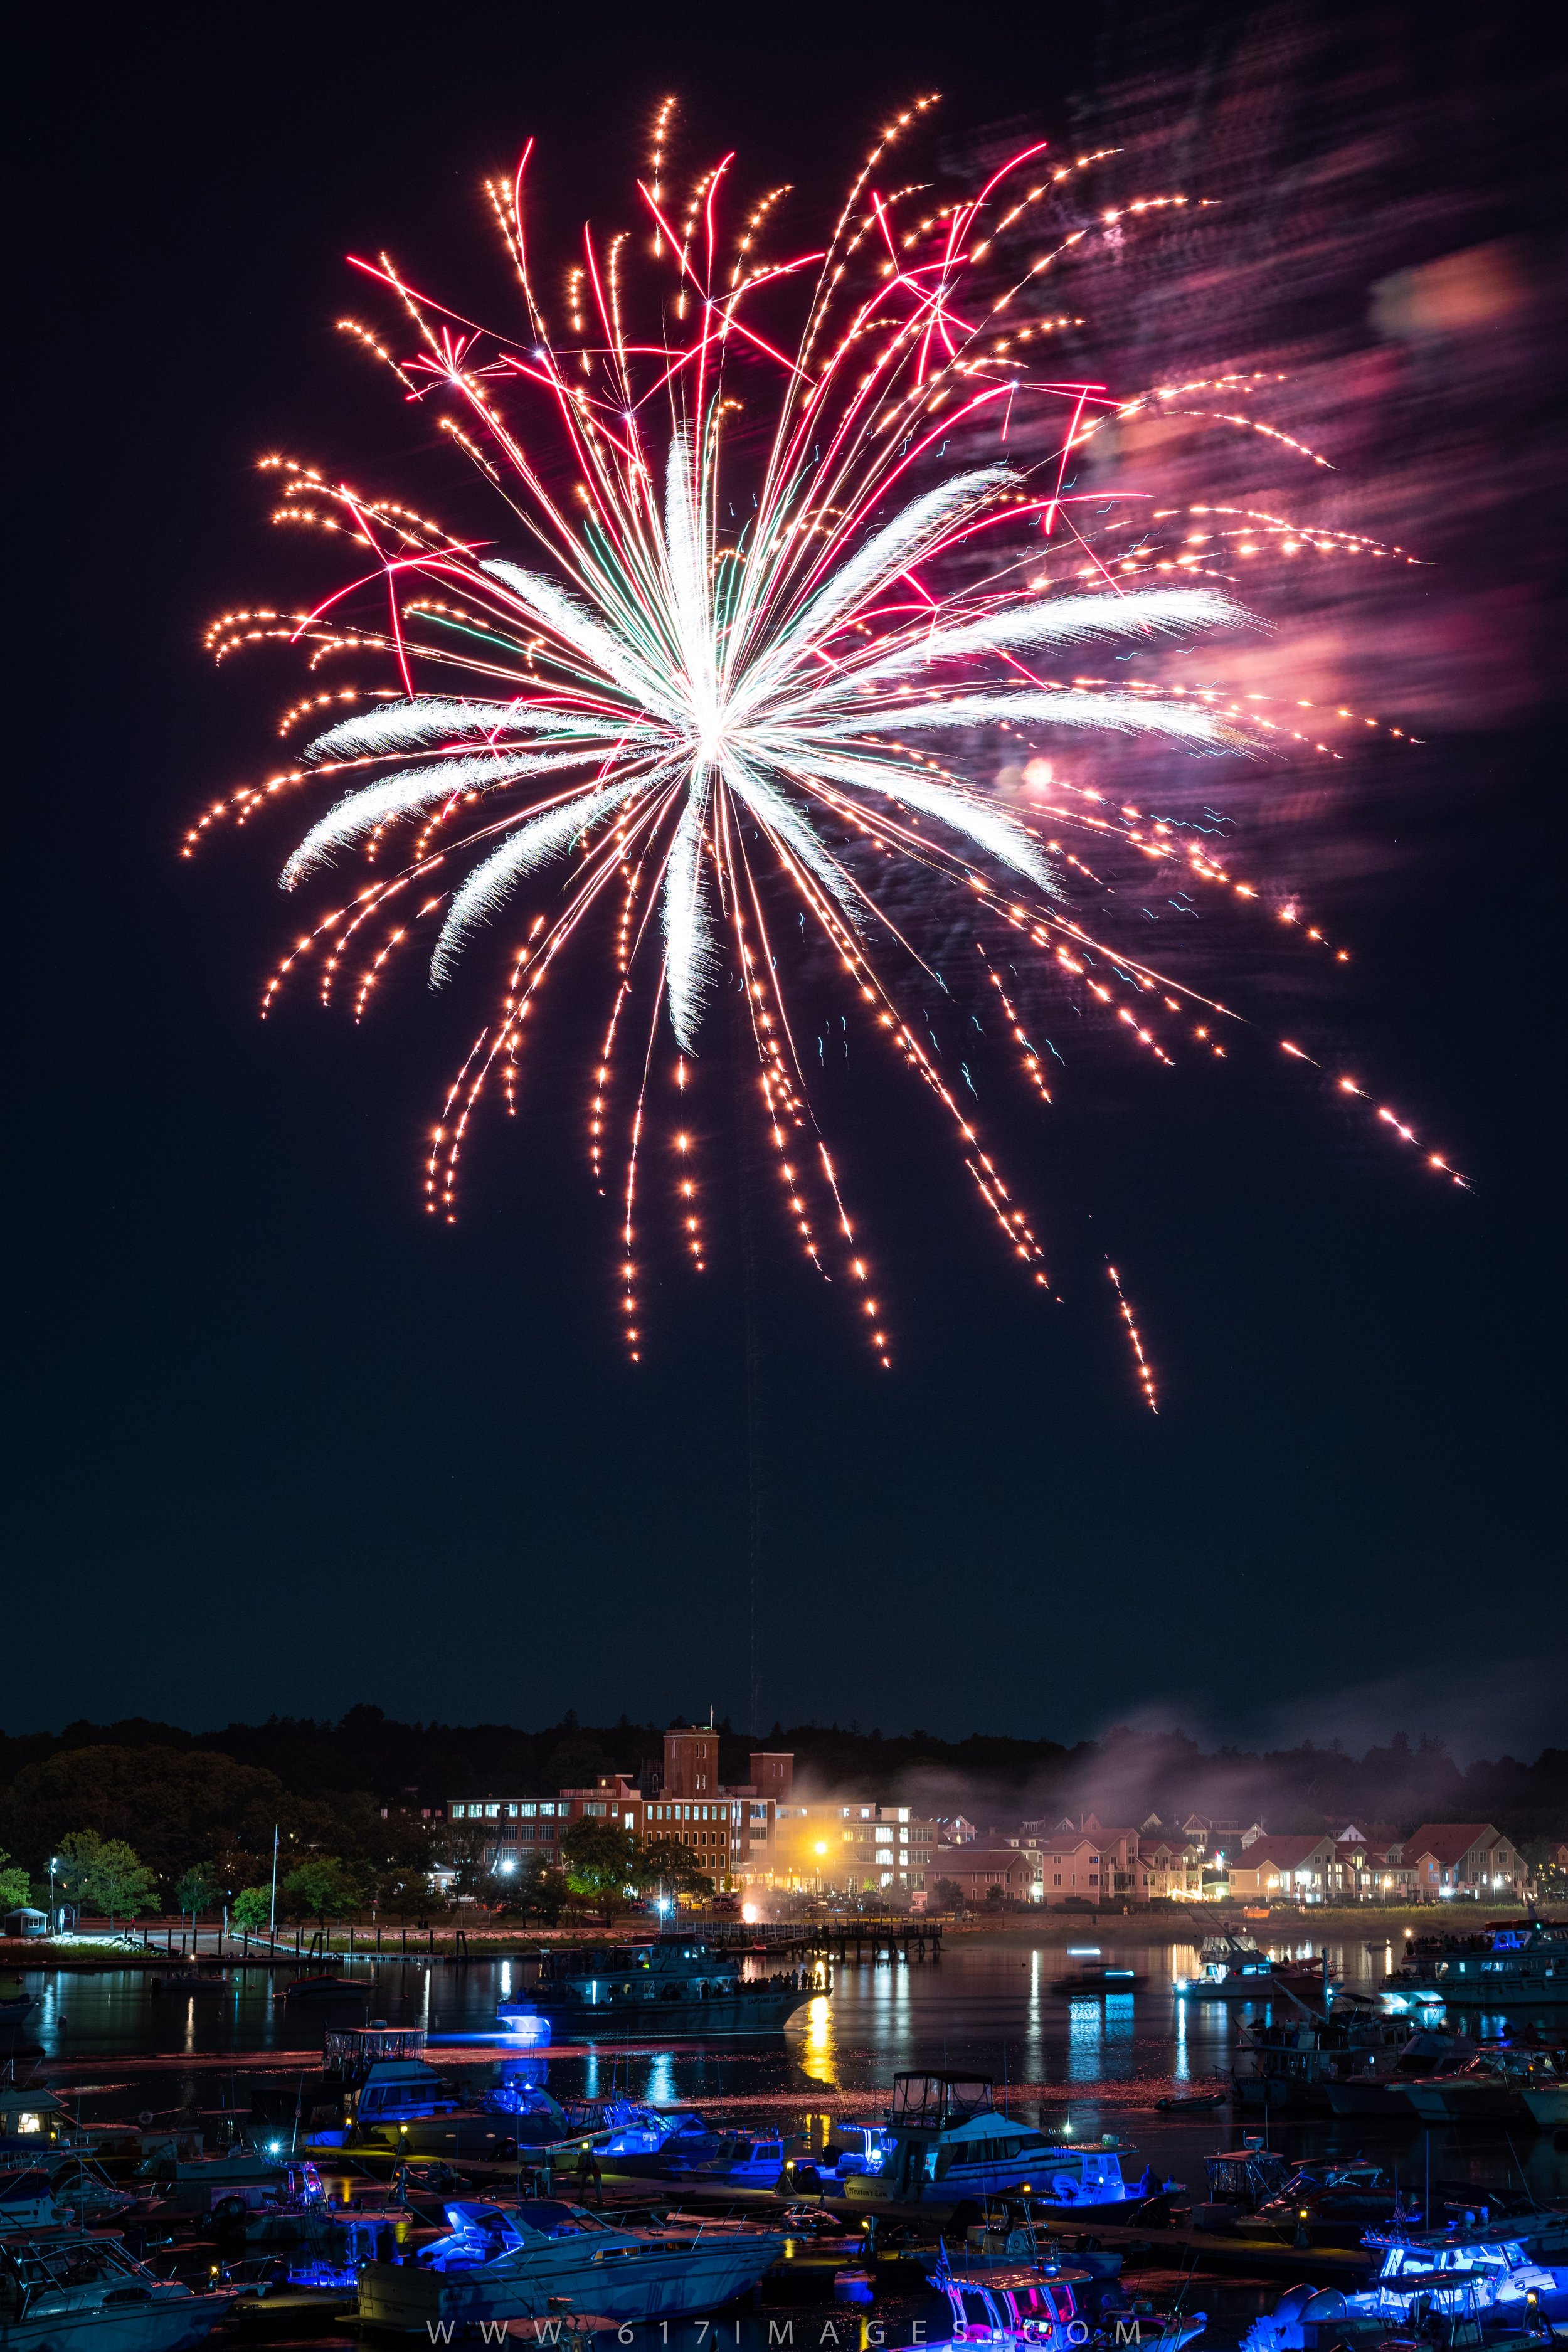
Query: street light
(54, 1865)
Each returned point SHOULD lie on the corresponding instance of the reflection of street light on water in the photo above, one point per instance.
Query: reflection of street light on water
(818, 2054)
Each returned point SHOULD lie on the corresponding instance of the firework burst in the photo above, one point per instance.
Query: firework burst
(745, 639)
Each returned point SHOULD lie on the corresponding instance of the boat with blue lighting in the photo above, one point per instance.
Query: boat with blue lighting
(1510, 1964)
(672, 1984)
(1477, 2280)
(521, 2261)
(947, 2145)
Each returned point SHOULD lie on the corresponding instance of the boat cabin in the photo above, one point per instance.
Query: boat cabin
(399, 2090)
(30, 2122)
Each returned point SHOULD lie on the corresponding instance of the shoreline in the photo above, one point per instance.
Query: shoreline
(1048, 1929)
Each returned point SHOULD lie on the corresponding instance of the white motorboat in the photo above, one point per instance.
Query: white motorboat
(231, 2180)
(1457, 2277)
(1488, 2091)
(946, 2144)
(1547, 2102)
(62, 2291)
(516, 2261)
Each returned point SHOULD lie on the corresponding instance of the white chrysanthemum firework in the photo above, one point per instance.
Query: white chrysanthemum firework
(764, 636)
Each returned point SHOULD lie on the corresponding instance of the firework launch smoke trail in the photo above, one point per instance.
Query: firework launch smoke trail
(730, 663)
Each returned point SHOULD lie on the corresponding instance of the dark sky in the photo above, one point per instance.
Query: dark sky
(280, 1443)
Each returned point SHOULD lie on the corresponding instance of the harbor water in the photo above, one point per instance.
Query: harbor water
(116, 2049)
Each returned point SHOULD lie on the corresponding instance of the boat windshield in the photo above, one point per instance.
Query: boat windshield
(935, 2102)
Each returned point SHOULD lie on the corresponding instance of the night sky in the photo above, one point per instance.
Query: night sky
(281, 1444)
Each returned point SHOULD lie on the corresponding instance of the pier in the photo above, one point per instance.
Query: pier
(843, 1939)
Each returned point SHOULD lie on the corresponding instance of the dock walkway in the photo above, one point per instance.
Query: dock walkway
(843, 1939)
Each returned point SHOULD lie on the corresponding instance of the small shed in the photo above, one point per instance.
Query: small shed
(25, 1922)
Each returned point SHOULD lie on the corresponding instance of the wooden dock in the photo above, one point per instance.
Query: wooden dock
(842, 1940)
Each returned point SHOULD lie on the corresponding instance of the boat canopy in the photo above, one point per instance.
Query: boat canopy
(937, 2102)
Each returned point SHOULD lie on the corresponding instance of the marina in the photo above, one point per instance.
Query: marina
(991, 2104)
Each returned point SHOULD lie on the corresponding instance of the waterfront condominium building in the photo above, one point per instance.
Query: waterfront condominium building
(848, 1848)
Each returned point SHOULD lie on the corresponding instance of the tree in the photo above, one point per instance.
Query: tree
(252, 1908)
(321, 1886)
(105, 1874)
(601, 1862)
(666, 1864)
(540, 1892)
(948, 1894)
(176, 1804)
(15, 1886)
(463, 1852)
(198, 1889)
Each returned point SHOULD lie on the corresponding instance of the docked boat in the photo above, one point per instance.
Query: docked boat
(519, 2262)
(1286, 2063)
(61, 2288)
(82, 2190)
(31, 2122)
(1240, 2180)
(1376, 2086)
(1025, 2305)
(1469, 2280)
(860, 2152)
(1011, 2232)
(947, 2145)
(633, 2131)
(1331, 2205)
(326, 1989)
(675, 1984)
(1509, 1964)
(1547, 2102)
(741, 2156)
(27, 2200)
(1231, 1969)
(234, 2179)
(1489, 2090)
(16, 2008)
(403, 2104)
